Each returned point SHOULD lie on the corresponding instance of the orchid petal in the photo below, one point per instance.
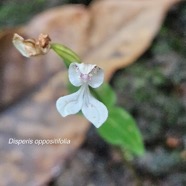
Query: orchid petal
(27, 47)
(70, 104)
(97, 77)
(85, 68)
(95, 111)
(74, 75)
(18, 42)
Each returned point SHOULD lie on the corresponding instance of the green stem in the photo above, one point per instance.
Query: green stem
(66, 54)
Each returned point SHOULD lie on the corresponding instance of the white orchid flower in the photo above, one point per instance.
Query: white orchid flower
(84, 75)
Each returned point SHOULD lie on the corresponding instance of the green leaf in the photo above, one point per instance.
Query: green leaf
(120, 129)
(105, 94)
(66, 54)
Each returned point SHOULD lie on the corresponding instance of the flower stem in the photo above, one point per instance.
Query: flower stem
(66, 54)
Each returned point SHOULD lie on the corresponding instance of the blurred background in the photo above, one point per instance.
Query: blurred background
(13, 14)
(153, 90)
